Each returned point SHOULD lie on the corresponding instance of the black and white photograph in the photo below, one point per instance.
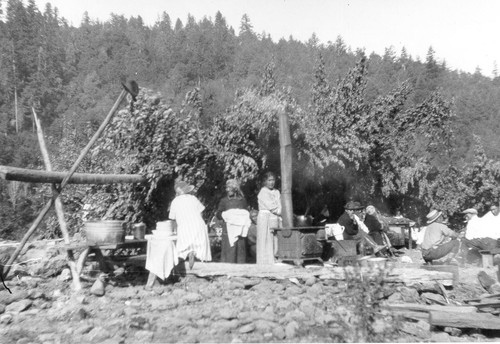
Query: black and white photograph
(249, 171)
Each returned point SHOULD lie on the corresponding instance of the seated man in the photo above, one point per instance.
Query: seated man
(440, 242)
(480, 232)
(354, 228)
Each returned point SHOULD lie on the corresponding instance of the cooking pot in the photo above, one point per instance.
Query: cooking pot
(303, 221)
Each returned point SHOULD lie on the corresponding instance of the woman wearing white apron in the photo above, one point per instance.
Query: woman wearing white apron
(269, 211)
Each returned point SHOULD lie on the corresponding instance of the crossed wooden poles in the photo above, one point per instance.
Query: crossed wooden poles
(132, 89)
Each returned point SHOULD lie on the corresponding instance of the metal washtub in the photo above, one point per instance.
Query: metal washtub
(108, 232)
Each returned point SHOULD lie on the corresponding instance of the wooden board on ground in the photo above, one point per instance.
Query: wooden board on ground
(416, 307)
(284, 271)
(463, 320)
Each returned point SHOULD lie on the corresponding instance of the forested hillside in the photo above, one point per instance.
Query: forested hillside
(402, 133)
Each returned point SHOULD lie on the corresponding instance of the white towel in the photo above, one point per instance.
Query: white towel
(237, 222)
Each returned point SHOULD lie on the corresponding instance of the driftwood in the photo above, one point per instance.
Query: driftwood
(464, 320)
(37, 176)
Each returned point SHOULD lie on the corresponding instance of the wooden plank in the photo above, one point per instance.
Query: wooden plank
(484, 321)
(284, 271)
(37, 176)
(483, 297)
(413, 315)
(486, 305)
(417, 307)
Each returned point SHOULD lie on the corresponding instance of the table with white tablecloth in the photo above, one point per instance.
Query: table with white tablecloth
(161, 255)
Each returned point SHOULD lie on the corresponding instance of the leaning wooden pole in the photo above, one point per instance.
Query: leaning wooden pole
(41, 176)
(58, 205)
(286, 168)
(47, 206)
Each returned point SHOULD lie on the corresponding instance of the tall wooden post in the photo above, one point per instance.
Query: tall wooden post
(58, 204)
(286, 168)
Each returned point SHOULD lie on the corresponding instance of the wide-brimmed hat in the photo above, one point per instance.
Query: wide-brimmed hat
(182, 187)
(353, 205)
(470, 211)
(433, 216)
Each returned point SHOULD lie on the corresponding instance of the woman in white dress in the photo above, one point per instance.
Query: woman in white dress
(269, 212)
(192, 232)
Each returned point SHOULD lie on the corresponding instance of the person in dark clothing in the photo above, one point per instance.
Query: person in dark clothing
(374, 225)
(351, 222)
(234, 199)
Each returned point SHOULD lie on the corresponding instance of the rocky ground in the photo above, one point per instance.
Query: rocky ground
(42, 308)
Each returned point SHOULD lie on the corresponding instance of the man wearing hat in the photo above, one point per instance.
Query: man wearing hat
(351, 222)
(439, 240)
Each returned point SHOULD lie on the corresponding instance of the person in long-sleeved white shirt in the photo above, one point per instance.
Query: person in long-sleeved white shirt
(481, 232)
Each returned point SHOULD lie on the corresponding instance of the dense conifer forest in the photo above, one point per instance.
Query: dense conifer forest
(402, 133)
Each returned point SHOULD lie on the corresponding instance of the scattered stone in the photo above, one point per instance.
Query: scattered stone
(247, 328)
(409, 294)
(80, 314)
(84, 329)
(228, 314)
(6, 319)
(36, 294)
(45, 337)
(65, 275)
(291, 329)
(264, 325)
(310, 281)
(279, 333)
(432, 298)
(2, 308)
(98, 335)
(98, 288)
(295, 315)
(283, 305)
(144, 336)
(19, 306)
(453, 331)
(316, 289)
(440, 337)
(192, 297)
(139, 322)
(308, 308)
(15, 296)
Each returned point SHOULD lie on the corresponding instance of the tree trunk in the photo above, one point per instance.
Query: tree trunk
(286, 169)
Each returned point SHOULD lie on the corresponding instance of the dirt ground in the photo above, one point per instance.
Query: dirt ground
(223, 310)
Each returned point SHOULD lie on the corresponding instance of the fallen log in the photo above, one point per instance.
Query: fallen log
(37, 176)
(463, 320)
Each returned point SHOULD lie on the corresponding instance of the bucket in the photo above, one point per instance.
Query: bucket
(377, 262)
(139, 231)
(168, 226)
(104, 232)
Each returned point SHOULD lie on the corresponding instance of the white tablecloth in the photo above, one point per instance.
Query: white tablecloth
(161, 256)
